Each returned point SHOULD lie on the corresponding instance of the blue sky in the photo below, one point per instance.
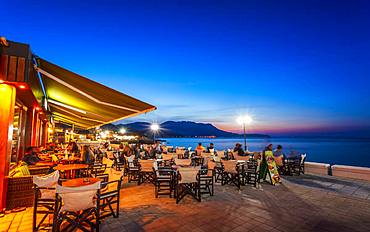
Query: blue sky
(298, 67)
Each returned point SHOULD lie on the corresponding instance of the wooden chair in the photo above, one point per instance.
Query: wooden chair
(218, 169)
(132, 169)
(146, 173)
(118, 162)
(163, 181)
(231, 173)
(298, 165)
(76, 214)
(44, 201)
(251, 172)
(206, 181)
(188, 183)
(97, 169)
(108, 197)
(167, 159)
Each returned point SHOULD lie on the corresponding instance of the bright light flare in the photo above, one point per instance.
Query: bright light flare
(154, 127)
(122, 130)
(245, 119)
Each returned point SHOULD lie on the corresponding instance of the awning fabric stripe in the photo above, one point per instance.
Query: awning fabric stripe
(84, 102)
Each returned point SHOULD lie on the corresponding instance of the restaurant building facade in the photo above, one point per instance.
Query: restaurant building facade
(35, 94)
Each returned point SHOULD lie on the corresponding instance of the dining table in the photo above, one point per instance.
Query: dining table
(71, 170)
(78, 182)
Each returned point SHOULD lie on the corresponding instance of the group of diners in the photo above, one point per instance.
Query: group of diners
(173, 171)
(207, 165)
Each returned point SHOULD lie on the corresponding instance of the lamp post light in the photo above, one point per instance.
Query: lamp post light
(154, 127)
(244, 120)
(122, 130)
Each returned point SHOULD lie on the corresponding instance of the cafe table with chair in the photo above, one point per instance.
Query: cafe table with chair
(58, 205)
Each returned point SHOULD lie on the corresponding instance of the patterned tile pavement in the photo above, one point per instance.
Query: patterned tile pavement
(303, 203)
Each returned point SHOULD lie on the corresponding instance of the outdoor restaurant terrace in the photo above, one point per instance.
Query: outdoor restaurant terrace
(63, 183)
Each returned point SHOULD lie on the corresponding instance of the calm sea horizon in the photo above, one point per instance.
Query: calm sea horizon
(354, 152)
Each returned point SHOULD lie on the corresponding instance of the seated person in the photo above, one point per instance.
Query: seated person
(157, 147)
(107, 146)
(278, 155)
(73, 148)
(292, 155)
(278, 151)
(87, 155)
(31, 156)
(199, 149)
(50, 146)
(239, 149)
(211, 148)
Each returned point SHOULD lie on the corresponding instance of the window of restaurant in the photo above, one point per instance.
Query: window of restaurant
(19, 124)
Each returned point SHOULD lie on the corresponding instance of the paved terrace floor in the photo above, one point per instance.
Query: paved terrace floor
(301, 203)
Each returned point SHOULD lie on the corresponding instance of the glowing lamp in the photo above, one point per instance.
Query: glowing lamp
(246, 119)
(122, 130)
(22, 86)
(154, 127)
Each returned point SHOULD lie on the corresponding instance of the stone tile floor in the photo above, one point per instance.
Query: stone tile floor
(348, 187)
(303, 203)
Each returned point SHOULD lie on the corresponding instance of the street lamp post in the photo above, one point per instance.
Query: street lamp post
(245, 138)
(244, 120)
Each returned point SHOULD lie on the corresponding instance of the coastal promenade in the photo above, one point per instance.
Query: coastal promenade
(301, 203)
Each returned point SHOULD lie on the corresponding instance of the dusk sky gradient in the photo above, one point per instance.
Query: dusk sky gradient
(298, 67)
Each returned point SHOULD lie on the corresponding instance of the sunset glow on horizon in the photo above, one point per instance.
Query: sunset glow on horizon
(299, 68)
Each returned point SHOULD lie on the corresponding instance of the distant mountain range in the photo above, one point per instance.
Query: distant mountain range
(178, 129)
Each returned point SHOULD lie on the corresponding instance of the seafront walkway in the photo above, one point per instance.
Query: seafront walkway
(301, 203)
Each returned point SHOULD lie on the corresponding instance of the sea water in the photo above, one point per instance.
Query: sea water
(355, 152)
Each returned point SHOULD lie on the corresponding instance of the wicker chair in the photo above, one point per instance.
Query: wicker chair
(20, 189)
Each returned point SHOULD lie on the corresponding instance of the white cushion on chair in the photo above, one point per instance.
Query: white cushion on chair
(78, 198)
(189, 175)
(47, 181)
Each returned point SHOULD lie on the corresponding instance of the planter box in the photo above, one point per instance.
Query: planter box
(353, 172)
(316, 168)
